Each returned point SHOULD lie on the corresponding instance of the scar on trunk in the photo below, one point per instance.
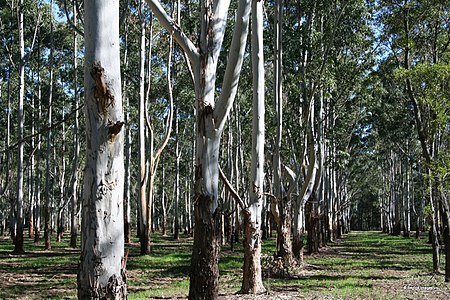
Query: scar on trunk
(102, 92)
(114, 129)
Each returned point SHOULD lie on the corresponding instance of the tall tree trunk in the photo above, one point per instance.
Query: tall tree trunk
(238, 167)
(142, 174)
(252, 276)
(31, 178)
(18, 243)
(211, 117)
(434, 226)
(5, 190)
(176, 229)
(61, 182)
(128, 142)
(102, 266)
(425, 142)
(284, 204)
(76, 140)
(163, 202)
(48, 192)
(37, 209)
(407, 198)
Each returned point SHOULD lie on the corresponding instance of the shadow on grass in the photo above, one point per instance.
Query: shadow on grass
(4, 254)
(355, 263)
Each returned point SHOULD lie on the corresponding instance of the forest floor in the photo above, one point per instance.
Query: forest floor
(362, 265)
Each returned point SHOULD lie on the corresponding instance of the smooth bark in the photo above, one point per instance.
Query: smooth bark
(142, 177)
(18, 241)
(252, 275)
(102, 266)
(76, 140)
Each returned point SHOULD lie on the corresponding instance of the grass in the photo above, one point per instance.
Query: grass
(38, 274)
(364, 265)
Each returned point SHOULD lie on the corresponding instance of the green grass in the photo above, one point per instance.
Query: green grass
(364, 265)
(369, 265)
(38, 274)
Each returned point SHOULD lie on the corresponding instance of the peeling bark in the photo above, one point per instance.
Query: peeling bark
(102, 267)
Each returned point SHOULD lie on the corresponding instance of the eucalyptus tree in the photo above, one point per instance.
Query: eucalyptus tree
(156, 152)
(48, 175)
(102, 267)
(322, 74)
(76, 135)
(22, 59)
(18, 243)
(128, 138)
(144, 207)
(252, 275)
(7, 66)
(16, 225)
(416, 35)
(211, 118)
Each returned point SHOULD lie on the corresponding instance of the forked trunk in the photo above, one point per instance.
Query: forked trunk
(211, 118)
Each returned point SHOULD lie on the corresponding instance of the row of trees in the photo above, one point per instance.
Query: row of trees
(349, 103)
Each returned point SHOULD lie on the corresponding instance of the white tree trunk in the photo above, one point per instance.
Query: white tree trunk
(18, 245)
(37, 211)
(48, 193)
(278, 86)
(252, 277)
(102, 267)
(76, 140)
(142, 176)
(128, 143)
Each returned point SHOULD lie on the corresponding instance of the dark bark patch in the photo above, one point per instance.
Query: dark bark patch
(204, 277)
(102, 92)
(114, 129)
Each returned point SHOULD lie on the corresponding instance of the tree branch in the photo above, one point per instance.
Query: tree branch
(230, 188)
(170, 118)
(170, 25)
(69, 116)
(75, 28)
(234, 64)
(34, 37)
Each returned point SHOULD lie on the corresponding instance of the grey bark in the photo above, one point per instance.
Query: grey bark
(48, 192)
(102, 267)
(76, 140)
(18, 242)
(252, 275)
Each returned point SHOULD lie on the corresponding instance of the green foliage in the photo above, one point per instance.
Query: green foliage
(430, 84)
